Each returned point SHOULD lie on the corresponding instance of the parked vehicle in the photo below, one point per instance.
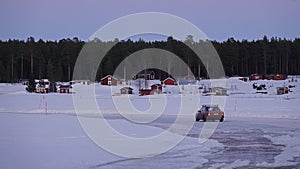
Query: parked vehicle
(210, 112)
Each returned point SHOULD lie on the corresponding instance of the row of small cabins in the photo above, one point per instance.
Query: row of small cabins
(155, 88)
(42, 86)
(267, 77)
(110, 80)
(113, 81)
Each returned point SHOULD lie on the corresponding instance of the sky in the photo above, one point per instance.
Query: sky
(218, 19)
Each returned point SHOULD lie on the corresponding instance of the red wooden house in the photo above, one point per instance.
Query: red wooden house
(65, 88)
(109, 80)
(255, 77)
(156, 88)
(42, 86)
(145, 92)
(169, 81)
(279, 77)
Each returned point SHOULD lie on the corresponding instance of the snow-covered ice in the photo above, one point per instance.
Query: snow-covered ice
(260, 130)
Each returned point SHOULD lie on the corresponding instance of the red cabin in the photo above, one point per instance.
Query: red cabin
(109, 80)
(169, 81)
(156, 88)
(255, 77)
(145, 92)
(279, 77)
(64, 89)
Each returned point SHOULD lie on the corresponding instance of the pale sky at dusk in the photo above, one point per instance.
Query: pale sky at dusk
(218, 19)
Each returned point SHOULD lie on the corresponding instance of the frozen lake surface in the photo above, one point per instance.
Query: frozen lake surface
(42, 131)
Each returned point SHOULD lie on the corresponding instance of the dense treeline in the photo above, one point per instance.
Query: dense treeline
(56, 59)
(265, 56)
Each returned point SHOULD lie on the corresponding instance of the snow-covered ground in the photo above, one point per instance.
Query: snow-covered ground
(260, 130)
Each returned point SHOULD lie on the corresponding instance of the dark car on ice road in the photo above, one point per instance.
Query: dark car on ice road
(210, 112)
